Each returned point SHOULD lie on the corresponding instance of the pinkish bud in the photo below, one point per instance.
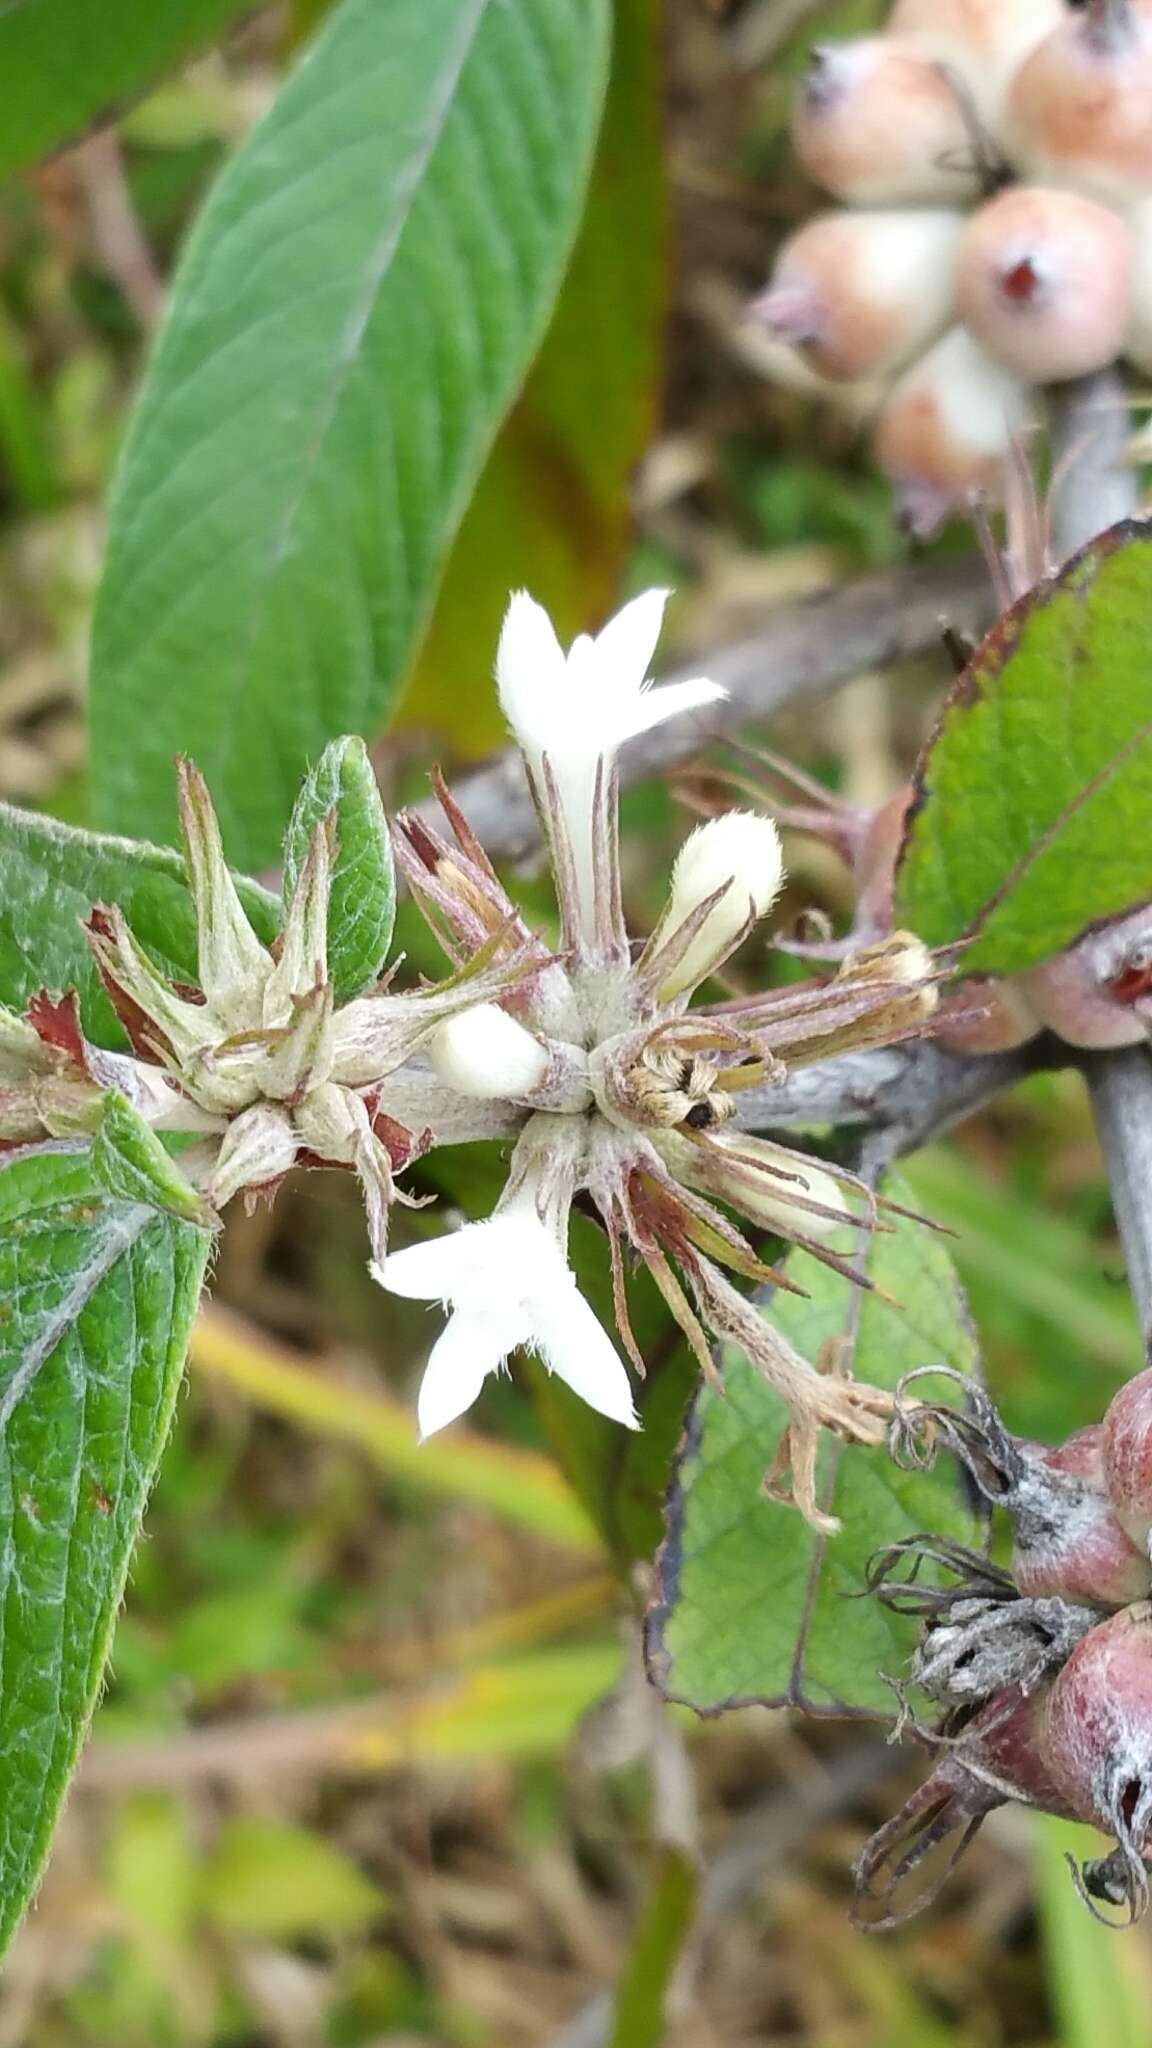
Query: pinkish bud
(1098, 993)
(878, 123)
(947, 429)
(860, 294)
(985, 1015)
(1043, 280)
(1078, 109)
(1127, 1456)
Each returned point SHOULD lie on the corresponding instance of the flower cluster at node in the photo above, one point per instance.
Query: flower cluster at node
(993, 159)
(588, 1053)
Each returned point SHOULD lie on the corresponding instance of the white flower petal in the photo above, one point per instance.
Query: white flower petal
(651, 707)
(573, 1343)
(625, 646)
(425, 1272)
(470, 1348)
(531, 674)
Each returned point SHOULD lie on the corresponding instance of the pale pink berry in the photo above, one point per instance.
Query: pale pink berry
(1044, 282)
(984, 40)
(860, 294)
(1080, 108)
(1097, 993)
(880, 124)
(947, 429)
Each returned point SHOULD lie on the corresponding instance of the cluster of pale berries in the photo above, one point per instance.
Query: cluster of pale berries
(996, 156)
(1041, 1674)
(585, 1053)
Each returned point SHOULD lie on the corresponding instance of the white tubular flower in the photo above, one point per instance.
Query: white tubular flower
(485, 1053)
(509, 1285)
(574, 712)
(735, 859)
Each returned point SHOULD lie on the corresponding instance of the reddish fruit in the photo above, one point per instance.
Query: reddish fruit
(1098, 993)
(880, 124)
(1097, 1736)
(998, 1756)
(1080, 107)
(947, 429)
(860, 294)
(1044, 282)
(1127, 1456)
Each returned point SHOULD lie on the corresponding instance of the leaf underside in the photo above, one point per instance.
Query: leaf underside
(1035, 792)
(359, 301)
(754, 1605)
(96, 1301)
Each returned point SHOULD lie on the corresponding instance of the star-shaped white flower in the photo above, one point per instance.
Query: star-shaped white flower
(576, 710)
(509, 1285)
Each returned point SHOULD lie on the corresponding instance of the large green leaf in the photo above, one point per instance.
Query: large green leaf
(52, 874)
(353, 315)
(1034, 794)
(753, 1604)
(553, 509)
(98, 1298)
(64, 62)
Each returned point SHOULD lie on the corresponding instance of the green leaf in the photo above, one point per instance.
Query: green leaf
(52, 874)
(130, 1161)
(362, 905)
(351, 320)
(665, 1922)
(96, 1300)
(64, 63)
(553, 509)
(753, 1603)
(1035, 793)
(270, 1879)
(1100, 1982)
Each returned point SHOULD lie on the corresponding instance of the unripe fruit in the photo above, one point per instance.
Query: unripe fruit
(1098, 992)
(998, 1756)
(1127, 1456)
(985, 40)
(1080, 108)
(1044, 282)
(947, 429)
(985, 1015)
(860, 294)
(1097, 1736)
(1068, 1541)
(880, 124)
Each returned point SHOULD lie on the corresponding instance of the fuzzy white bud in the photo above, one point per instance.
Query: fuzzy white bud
(782, 1210)
(485, 1053)
(739, 853)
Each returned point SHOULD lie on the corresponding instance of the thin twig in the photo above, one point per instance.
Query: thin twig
(1095, 488)
(804, 649)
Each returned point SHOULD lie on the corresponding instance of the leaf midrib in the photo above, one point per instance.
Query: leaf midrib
(118, 1237)
(404, 191)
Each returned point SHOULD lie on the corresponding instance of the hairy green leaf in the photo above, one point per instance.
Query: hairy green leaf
(753, 1604)
(130, 1161)
(52, 874)
(97, 1300)
(1035, 792)
(553, 509)
(353, 315)
(66, 62)
(362, 905)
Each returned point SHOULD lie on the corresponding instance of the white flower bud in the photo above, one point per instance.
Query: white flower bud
(779, 1211)
(739, 853)
(485, 1053)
